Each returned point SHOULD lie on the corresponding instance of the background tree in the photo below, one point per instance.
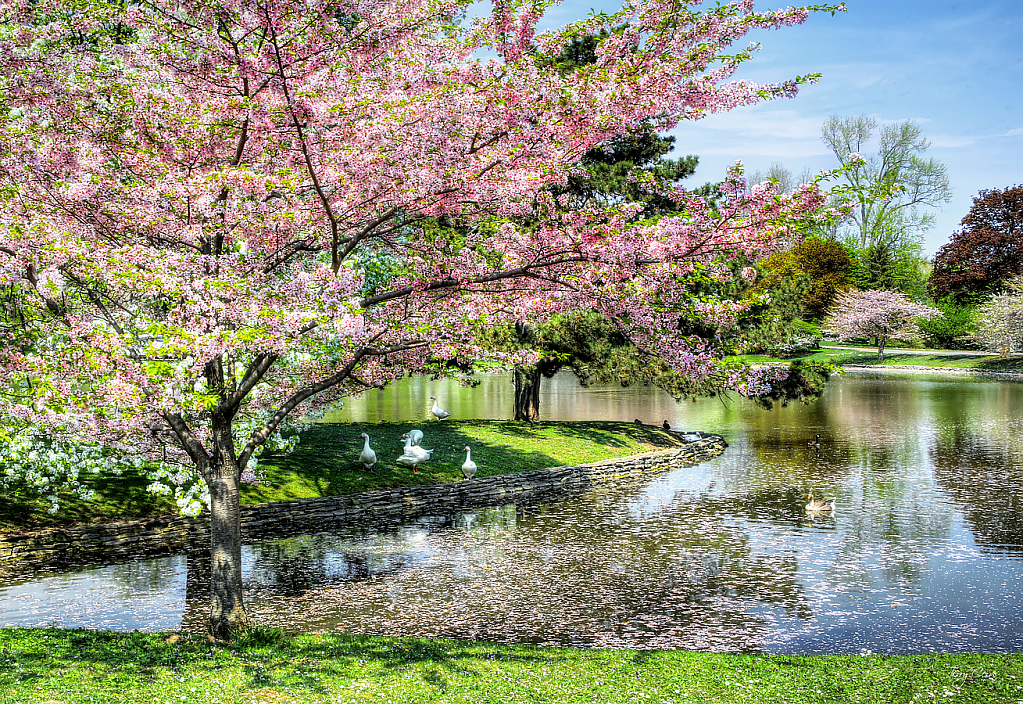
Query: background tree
(785, 181)
(1000, 320)
(595, 348)
(885, 266)
(821, 266)
(191, 219)
(879, 219)
(605, 176)
(985, 251)
(883, 315)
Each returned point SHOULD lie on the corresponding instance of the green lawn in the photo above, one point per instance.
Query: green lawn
(78, 666)
(326, 463)
(894, 357)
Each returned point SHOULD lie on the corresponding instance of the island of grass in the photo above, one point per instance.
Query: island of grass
(326, 463)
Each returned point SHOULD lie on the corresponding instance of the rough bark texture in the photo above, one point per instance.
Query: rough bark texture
(227, 609)
(880, 348)
(527, 392)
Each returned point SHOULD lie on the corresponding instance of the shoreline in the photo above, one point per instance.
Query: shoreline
(939, 371)
(163, 534)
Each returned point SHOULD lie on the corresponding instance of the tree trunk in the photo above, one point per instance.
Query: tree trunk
(227, 610)
(527, 392)
(881, 340)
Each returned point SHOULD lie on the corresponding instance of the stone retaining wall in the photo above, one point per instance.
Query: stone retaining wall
(168, 533)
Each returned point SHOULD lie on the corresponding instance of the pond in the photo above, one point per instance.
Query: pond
(923, 553)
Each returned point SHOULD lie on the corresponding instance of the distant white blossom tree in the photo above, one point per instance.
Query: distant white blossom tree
(880, 314)
(1001, 320)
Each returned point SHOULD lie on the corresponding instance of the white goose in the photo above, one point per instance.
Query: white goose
(415, 435)
(368, 458)
(437, 410)
(413, 456)
(468, 467)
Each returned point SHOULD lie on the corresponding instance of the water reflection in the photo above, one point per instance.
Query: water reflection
(922, 553)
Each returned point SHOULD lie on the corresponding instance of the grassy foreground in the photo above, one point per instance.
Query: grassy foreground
(88, 666)
(326, 463)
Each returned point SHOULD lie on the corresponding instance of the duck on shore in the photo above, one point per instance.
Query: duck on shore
(439, 412)
(468, 467)
(413, 456)
(368, 458)
(416, 436)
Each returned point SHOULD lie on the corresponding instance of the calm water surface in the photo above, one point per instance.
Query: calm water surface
(922, 554)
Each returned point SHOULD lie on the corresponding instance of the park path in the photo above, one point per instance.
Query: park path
(902, 350)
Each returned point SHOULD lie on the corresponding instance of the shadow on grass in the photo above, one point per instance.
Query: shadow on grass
(37, 656)
(124, 497)
(326, 460)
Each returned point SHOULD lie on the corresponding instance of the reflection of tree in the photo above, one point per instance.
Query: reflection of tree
(293, 566)
(576, 573)
(984, 475)
(130, 577)
(196, 615)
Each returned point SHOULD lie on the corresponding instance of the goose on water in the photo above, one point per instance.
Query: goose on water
(437, 410)
(415, 435)
(468, 467)
(368, 458)
(816, 442)
(413, 456)
(816, 505)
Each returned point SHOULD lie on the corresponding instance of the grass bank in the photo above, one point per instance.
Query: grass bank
(326, 464)
(78, 666)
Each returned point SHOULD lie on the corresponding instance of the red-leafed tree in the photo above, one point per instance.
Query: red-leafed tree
(986, 250)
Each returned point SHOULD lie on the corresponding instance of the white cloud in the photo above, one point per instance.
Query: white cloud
(1013, 133)
(951, 141)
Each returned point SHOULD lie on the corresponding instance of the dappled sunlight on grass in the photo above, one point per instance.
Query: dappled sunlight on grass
(53, 665)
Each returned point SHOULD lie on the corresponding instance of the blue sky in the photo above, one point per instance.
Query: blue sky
(955, 67)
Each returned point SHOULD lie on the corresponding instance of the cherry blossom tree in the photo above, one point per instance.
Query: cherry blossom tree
(213, 215)
(1000, 320)
(883, 315)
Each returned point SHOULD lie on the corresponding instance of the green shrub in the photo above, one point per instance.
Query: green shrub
(954, 329)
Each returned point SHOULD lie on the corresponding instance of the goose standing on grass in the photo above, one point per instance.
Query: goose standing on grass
(468, 467)
(368, 458)
(666, 425)
(818, 505)
(437, 410)
(413, 455)
(416, 436)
